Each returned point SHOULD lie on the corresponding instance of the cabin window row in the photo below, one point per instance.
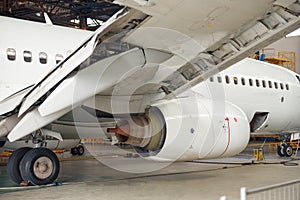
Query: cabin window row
(252, 82)
(27, 56)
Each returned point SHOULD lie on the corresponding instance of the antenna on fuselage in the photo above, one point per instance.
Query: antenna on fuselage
(47, 19)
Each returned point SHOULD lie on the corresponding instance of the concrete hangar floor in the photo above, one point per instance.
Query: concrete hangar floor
(105, 172)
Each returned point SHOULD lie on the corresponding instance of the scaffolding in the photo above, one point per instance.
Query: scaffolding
(285, 59)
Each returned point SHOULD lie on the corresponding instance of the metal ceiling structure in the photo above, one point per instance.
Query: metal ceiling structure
(86, 14)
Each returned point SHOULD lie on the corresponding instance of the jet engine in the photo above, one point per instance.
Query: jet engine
(186, 129)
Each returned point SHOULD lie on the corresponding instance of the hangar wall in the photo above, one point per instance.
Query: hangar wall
(289, 44)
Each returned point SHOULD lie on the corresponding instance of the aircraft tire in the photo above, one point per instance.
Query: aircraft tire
(280, 150)
(74, 151)
(39, 166)
(80, 150)
(13, 164)
(288, 151)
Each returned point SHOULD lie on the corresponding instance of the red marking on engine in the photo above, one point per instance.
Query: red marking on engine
(228, 135)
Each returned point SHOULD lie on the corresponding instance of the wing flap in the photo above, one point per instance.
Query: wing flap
(7, 124)
(70, 64)
(31, 122)
(208, 35)
(210, 68)
(92, 80)
(10, 103)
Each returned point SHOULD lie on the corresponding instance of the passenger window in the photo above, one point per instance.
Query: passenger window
(43, 58)
(257, 83)
(281, 86)
(211, 79)
(27, 56)
(11, 54)
(276, 85)
(270, 84)
(264, 83)
(287, 86)
(243, 81)
(58, 58)
(227, 79)
(219, 79)
(250, 82)
(235, 80)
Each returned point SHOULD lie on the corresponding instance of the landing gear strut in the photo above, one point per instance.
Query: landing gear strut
(39, 166)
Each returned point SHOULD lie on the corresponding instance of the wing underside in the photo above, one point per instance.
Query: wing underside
(156, 49)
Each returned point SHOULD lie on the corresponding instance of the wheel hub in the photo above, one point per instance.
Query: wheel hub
(289, 150)
(80, 151)
(43, 167)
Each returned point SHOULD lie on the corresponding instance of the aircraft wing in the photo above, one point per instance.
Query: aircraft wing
(10, 103)
(211, 35)
(165, 46)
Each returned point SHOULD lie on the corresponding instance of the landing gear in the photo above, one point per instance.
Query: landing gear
(280, 149)
(38, 166)
(74, 151)
(13, 164)
(288, 151)
(285, 150)
(79, 150)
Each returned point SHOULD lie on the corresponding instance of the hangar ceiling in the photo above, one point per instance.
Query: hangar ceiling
(85, 14)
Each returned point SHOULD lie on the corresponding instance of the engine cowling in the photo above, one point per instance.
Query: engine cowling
(186, 129)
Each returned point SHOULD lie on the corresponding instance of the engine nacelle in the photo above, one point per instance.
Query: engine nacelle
(186, 129)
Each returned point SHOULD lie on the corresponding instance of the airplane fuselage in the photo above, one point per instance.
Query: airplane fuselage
(26, 54)
(261, 90)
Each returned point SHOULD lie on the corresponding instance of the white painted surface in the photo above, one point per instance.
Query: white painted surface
(207, 28)
(52, 40)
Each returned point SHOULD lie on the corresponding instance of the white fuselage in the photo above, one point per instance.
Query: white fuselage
(43, 44)
(259, 87)
(274, 90)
